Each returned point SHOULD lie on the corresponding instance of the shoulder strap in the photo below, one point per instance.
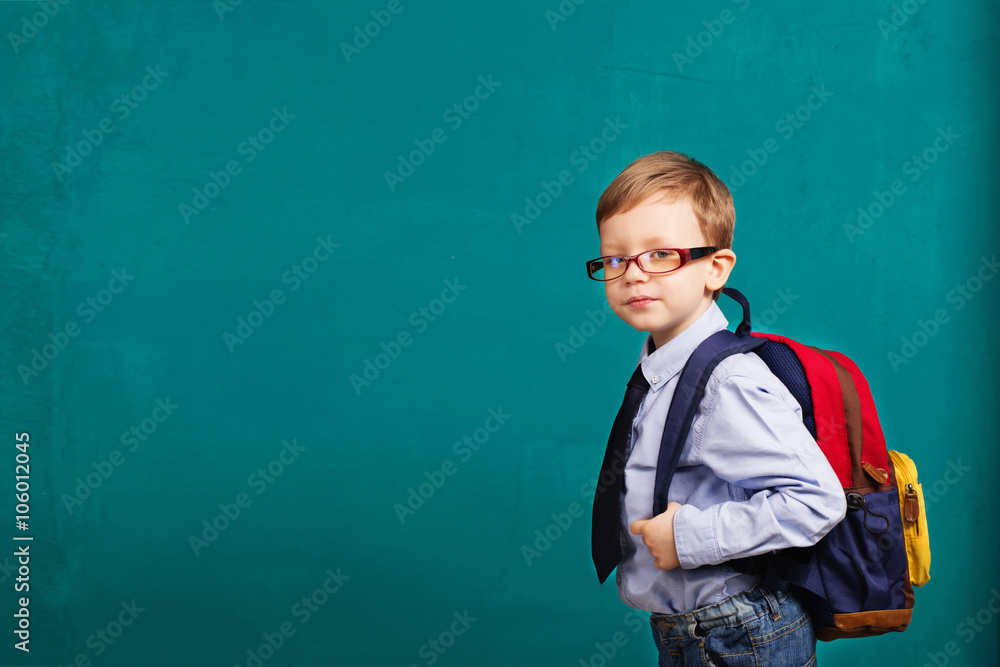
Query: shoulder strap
(691, 389)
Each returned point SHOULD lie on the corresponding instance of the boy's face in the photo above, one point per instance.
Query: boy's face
(676, 299)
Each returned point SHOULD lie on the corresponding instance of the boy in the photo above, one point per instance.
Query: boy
(750, 479)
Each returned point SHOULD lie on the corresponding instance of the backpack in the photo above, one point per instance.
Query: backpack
(858, 580)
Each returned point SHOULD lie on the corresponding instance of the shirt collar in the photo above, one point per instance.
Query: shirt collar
(668, 360)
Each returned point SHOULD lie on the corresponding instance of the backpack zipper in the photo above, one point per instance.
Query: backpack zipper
(911, 503)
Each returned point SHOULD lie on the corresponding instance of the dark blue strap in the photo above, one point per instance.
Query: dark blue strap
(744, 327)
(687, 396)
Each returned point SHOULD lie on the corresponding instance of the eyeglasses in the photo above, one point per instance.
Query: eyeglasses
(661, 260)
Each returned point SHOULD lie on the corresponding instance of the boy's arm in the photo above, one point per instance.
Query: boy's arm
(753, 439)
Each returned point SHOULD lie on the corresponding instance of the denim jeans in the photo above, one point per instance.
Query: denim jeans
(758, 628)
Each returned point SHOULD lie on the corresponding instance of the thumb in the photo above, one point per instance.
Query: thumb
(636, 527)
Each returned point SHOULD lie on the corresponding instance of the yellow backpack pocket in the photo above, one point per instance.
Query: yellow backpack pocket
(911, 507)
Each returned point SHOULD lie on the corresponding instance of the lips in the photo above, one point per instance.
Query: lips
(640, 300)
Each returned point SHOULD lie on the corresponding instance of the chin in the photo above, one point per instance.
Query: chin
(647, 322)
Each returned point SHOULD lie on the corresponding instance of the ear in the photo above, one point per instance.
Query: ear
(722, 264)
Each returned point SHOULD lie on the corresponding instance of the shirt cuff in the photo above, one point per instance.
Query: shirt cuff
(695, 536)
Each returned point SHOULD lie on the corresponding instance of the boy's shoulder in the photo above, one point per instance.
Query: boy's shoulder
(750, 373)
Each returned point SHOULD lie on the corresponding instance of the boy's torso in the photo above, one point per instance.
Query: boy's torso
(640, 584)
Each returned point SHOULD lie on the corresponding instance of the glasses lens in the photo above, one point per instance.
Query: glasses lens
(660, 261)
(607, 268)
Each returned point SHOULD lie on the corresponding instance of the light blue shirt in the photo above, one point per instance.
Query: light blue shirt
(747, 436)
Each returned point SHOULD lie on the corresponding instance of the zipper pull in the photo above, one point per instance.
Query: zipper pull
(878, 474)
(911, 506)
(856, 501)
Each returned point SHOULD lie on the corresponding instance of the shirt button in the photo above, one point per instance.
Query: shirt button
(656, 378)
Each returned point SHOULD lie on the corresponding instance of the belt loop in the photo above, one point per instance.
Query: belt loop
(772, 602)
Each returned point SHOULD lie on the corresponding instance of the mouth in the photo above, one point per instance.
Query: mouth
(640, 301)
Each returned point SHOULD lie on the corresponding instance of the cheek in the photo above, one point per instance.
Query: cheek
(691, 281)
(609, 294)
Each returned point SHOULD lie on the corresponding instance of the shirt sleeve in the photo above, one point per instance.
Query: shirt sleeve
(754, 440)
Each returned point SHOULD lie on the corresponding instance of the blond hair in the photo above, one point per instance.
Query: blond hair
(676, 175)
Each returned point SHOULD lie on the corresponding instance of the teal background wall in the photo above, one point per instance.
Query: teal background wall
(414, 495)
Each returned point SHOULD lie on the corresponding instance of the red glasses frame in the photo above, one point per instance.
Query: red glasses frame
(686, 254)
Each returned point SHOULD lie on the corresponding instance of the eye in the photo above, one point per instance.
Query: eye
(614, 262)
(662, 254)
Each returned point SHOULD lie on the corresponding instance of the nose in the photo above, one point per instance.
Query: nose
(633, 273)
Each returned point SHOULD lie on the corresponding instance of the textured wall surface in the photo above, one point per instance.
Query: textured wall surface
(295, 312)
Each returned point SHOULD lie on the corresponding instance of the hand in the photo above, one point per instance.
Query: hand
(658, 536)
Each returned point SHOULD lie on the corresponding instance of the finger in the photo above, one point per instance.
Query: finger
(636, 526)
